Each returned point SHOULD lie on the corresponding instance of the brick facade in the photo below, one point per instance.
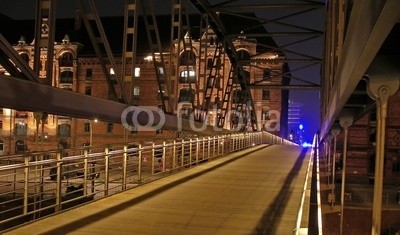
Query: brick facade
(83, 74)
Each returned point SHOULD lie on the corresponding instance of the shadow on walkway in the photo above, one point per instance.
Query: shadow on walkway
(267, 224)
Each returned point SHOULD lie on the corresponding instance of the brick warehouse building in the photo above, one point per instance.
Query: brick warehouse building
(75, 68)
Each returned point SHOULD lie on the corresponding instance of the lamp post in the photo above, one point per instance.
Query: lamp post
(90, 146)
(91, 131)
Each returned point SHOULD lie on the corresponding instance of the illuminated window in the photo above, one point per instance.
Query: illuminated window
(112, 71)
(137, 72)
(160, 70)
(186, 76)
(20, 129)
(136, 90)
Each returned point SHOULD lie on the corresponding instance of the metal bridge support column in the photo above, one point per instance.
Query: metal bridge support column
(346, 120)
(383, 83)
(335, 132)
(328, 154)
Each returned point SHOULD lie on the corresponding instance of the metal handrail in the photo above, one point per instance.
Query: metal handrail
(35, 186)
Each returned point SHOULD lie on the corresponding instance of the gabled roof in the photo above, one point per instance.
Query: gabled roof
(113, 26)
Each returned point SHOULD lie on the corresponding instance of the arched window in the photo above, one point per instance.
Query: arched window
(187, 58)
(243, 55)
(66, 59)
(25, 57)
(20, 146)
(20, 129)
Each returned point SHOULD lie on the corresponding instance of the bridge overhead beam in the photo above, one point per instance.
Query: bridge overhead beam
(62, 102)
(360, 46)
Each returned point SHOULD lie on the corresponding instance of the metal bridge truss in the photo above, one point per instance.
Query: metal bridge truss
(98, 37)
(211, 19)
(129, 46)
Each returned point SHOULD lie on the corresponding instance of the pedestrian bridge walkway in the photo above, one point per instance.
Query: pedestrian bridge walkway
(254, 191)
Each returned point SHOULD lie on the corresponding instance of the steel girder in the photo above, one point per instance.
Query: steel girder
(14, 64)
(359, 48)
(62, 102)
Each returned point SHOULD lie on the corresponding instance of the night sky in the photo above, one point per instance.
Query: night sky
(24, 9)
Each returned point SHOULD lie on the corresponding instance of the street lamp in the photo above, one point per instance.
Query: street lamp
(90, 146)
(91, 131)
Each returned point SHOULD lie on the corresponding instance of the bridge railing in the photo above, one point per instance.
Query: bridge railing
(38, 184)
(309, 217)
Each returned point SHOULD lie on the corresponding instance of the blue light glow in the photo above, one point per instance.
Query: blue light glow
(301, 127)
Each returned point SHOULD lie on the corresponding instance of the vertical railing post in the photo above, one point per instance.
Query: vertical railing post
(218, 144)
(190, 152)
(213, 139)
(140, 150)
(59, 181)
(209, 147)
(345, 121)
(335, 132)
(85, 171)
(183, 153)
(383, 82)
(107, 171)
(204, 148)
(125, 167)
(174, 154)
(164, 156)
(26, 183)
(152, 158)
(197, 150)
